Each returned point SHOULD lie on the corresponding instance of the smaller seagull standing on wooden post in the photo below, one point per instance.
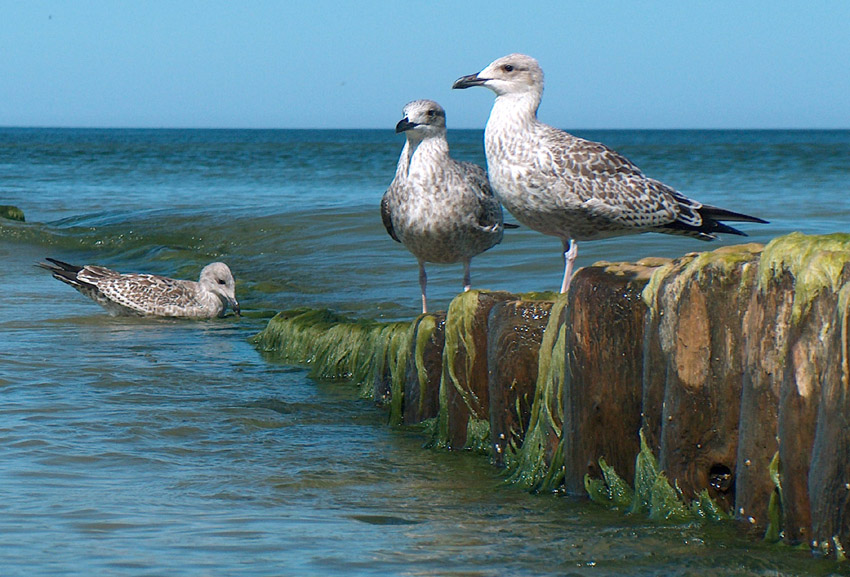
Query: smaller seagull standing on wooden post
(574, 189)
(442, 210)
(151, 295)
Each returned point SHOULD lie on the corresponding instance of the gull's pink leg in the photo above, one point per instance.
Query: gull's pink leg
(423, 280)
(570, 252)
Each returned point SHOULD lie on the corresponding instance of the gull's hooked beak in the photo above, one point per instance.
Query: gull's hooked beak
(469, 81)
(404, 125)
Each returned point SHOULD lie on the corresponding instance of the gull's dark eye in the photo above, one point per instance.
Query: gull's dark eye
(221, 281)
(508, 68)
(431, 113)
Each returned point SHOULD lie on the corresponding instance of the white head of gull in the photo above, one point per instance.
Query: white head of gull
(151, 295)
(441, 210)
(569, 187)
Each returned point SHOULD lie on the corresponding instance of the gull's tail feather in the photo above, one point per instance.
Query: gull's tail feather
(717, 213)
(711, 224)
(63, 271)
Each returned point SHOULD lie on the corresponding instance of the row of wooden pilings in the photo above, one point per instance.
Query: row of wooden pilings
(730, 368)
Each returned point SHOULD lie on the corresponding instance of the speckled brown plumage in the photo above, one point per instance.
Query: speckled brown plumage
(442, 210)
(569, 187)
(151, 295)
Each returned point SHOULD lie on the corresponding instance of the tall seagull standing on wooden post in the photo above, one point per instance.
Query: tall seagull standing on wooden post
(574, 189)
(441, 209)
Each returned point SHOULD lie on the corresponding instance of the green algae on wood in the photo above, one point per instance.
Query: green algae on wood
(606, 321)
(790, 352)
(425, 331)
(376, 355)
(460, 320)
(652, 495)
(477, 435)
(515, 331)
(10, 212)
(538, 464)
(464, 393)
(398, 339)
(773, 532)
(291, 336)
(696, 304)
(670, 279)
(612, 490)
(816, 262)
(696, 265)
(458, 332)
(424, 369)
(336, 348)
(700, 307)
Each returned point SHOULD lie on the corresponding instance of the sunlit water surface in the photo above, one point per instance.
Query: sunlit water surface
(157, 447)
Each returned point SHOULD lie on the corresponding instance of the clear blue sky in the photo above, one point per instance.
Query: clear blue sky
(330, 64)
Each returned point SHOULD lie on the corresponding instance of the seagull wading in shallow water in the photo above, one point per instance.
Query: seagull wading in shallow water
(151, 295)
(442, 210)
(572, 188)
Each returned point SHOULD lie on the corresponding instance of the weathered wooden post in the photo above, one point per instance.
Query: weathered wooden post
(787, 355)
(424, 368)
(829, 475)
(464, 390)
(820, 267)
(765, 344)
(513, 345)
(701, 303)
(602, 391)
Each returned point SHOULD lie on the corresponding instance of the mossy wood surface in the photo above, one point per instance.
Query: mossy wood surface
(829, 475)
(734, 366)
(465, 412)
(424, 369)
(702, 298)
(10, 212)
(537, 464)
(602, 384)
(513, 348)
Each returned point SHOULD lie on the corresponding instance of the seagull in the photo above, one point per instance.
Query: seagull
(151, 295)
(442, 210)
(571, 188)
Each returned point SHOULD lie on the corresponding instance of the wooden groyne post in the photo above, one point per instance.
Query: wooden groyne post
(713, 385)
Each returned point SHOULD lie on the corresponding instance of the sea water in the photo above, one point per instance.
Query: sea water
(162, 447)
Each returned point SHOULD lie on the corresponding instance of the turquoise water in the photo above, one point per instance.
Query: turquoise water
(151, 447)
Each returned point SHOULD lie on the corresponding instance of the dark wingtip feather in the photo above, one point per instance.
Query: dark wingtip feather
(62, 265)
(711, 223)
(717, 213)
(61, 270)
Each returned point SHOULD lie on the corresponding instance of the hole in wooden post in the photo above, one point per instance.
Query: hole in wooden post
(720, 478)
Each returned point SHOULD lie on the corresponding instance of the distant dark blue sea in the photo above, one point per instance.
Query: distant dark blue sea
(158, 447)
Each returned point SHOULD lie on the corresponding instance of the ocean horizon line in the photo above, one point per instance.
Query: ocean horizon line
(390, 129)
